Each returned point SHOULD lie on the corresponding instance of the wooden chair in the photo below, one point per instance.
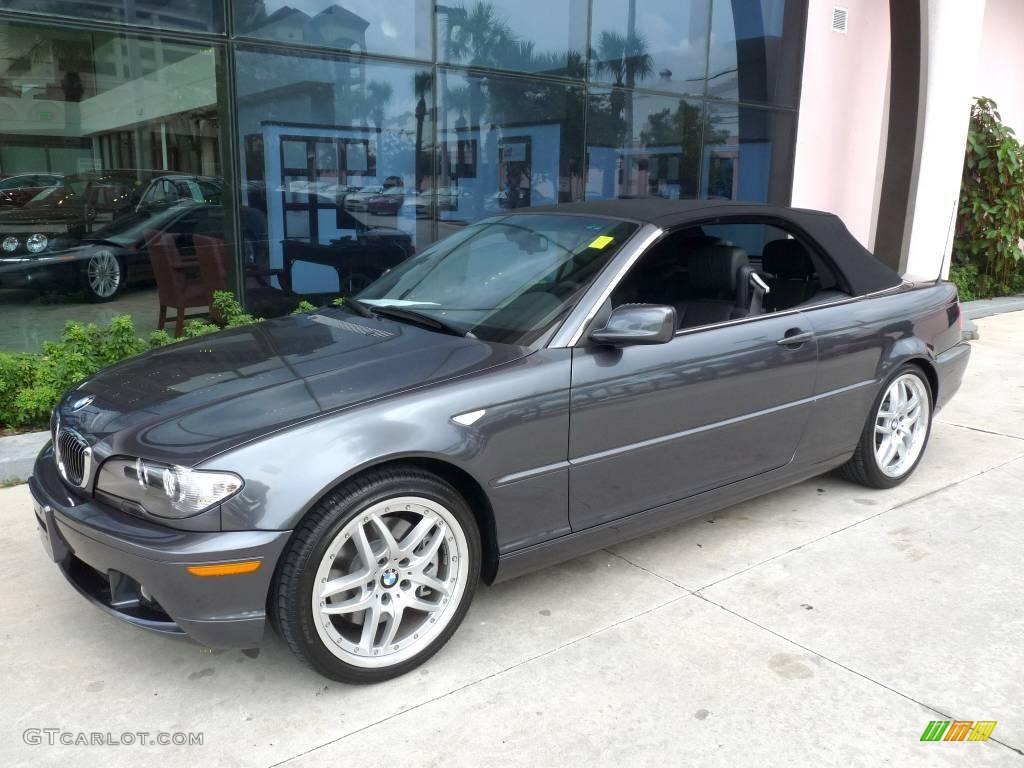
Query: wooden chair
(174, 286)
(212, 263)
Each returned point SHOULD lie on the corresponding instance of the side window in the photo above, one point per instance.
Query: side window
(707, 273)
(156, 193)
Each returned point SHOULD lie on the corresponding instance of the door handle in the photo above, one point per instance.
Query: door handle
(795, 337)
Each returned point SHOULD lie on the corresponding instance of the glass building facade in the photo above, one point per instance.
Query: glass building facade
(152, 151)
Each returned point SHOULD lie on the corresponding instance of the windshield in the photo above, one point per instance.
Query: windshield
(129, 229)
(107, 192)
(506, 279)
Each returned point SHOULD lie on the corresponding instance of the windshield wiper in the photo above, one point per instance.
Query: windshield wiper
(357, 306)
(420, 318)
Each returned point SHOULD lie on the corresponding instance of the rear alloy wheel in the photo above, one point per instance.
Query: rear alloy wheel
(378, 576)
(103, 276)
(895, 438)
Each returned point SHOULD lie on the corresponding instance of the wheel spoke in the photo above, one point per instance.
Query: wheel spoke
(415, 537)
(390, 545)
(345, 583)
(435, 585)
(363, 548)
(888, 451)
(371, 620)
(393, 623)
(419, 604)
(358, 603)
(427, 554)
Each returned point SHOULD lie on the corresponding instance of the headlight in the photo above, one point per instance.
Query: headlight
(165, 490)
(36, 243)
(10, 244)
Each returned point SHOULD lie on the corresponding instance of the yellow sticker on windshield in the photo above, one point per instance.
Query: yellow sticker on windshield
(601, 241)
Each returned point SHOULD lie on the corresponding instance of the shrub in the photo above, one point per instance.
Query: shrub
(988, 259)
(30, 384)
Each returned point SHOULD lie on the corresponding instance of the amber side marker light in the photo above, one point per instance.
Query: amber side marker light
(224, 569)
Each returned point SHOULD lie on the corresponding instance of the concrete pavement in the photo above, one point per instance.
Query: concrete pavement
(825, 624)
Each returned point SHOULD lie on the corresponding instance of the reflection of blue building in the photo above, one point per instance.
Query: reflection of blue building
(499, 167)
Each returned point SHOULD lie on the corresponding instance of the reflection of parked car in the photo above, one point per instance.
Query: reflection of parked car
(391, 201)
(40, 243)
(15, 191)
(356, 201)
(521, 198)
(128, 238)
(450, 198)
(388, 202)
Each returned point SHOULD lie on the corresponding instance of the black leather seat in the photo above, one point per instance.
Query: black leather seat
(718, 289)
(793, 278)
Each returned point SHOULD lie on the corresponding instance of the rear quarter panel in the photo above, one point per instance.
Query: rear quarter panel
(860, 344)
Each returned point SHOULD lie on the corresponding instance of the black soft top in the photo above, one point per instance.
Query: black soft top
(862, 272)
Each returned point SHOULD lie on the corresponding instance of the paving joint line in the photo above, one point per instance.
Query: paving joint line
(893, 508)
(655, 574)
(485, 678)
(839, 664)
(979, 429)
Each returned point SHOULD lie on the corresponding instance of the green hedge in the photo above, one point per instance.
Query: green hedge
(31, 383)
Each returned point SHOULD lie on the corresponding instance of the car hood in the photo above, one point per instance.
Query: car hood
(41, 214)
(192, 400)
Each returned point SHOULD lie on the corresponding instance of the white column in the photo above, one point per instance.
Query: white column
(951, 33)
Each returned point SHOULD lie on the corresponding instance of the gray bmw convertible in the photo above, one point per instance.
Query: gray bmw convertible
(537, 386)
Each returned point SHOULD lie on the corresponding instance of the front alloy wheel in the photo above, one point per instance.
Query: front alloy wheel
(378, 576)
(390, 581)
(102, 276)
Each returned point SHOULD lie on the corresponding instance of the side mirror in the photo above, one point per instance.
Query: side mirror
(637, 324)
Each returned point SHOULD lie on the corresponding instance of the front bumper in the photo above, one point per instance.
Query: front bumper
(36, 273)
(949, 368)
(136, 570)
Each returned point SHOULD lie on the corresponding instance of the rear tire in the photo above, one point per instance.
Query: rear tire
(896, 433)
(378, 576)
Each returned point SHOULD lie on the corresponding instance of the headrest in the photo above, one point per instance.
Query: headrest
(715, 268)
(787, 260)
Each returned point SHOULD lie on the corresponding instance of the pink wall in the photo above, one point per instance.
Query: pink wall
(840, 150)
(1000, 74)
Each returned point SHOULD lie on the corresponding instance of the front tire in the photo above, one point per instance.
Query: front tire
(378, 576)
(896, 433)
(103, 276)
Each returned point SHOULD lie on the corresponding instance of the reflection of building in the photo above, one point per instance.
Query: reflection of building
(332, 100)
(334, 26)
(73, 110)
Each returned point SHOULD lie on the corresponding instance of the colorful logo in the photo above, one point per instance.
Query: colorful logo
(959, 730)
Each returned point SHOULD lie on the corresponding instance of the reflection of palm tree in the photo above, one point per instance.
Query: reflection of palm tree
(477, 34)
(378, 95)
(626, 59)
(421, 85)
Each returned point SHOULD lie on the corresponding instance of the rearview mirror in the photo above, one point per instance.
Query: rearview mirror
(637, 324)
